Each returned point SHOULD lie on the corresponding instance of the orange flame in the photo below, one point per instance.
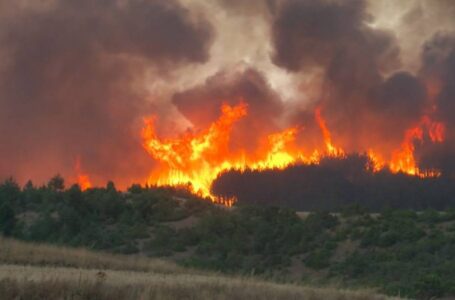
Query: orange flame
(83, 180)
(403, 159)
(196, 159)
(376, 160)
(331, 149)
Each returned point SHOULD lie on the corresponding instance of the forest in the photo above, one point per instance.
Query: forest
(335, 183)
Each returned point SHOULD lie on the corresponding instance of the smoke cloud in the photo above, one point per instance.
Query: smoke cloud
(365, 94)
(438, 68)
(78, 77)
(201, 105)
(72, 82)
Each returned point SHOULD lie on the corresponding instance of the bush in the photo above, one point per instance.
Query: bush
(429, 287)
(318, 259)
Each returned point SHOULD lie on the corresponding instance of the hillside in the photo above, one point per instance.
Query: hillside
(38, 272)
(395, 252)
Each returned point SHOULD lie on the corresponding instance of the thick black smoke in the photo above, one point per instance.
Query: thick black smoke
(72, 82)
(394, 106)
(74, 75)
(439, 65)
(359, 100)
(367, 101)
(439, 69)
(311, 33)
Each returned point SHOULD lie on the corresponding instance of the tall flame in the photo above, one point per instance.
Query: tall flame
(193, 158)
(331, 149)
(196, 159)
(403, 159)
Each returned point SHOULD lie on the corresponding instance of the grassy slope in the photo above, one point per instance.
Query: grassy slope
(30, 271)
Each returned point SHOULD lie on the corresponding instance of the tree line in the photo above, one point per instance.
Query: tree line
(336, 183)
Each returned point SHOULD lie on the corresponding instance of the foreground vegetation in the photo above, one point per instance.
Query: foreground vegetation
(103, 276)
(396, 252)
(14, 252)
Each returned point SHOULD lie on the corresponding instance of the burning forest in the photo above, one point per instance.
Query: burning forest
(229, 97)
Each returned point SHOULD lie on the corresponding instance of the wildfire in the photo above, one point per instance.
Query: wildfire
(403, 159)
(196, 159)
(82, 179)
(331, 149)
(376, 160)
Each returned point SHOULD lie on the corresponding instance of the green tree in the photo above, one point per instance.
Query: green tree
(429, 287)
(135, 189)
(57, 183)
(9, 192)
(7, 219)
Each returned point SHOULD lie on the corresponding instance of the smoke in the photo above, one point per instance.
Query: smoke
(201, 104)
(386, 69)
(439, 65)
(77, 77)
(72, 82)
(364, 94)
(252, 7)
(438, 68)
(396, 105)
(311, 33)
(413, 22)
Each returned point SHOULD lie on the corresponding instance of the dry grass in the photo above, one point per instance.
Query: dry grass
(31, 282)
(22, 253)
(39, 272)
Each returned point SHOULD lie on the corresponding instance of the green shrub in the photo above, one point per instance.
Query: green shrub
(318, 259)
(429, 287)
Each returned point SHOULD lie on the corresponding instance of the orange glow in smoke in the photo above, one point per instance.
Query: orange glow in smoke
(82, 179)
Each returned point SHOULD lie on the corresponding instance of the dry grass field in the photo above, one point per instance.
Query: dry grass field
(22, 253)
(39, 272)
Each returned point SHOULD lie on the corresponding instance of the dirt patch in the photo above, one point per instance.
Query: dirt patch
(345, 249)
(28, 218)
(181, 224)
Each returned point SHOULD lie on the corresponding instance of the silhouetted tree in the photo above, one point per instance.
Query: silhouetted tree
(57, 183)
